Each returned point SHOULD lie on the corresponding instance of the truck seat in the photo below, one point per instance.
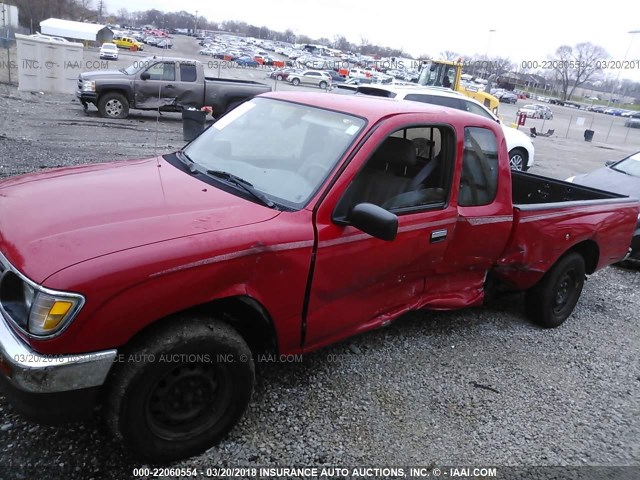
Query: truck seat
(385, 174)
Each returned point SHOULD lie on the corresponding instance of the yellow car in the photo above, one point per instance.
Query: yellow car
(128, 43)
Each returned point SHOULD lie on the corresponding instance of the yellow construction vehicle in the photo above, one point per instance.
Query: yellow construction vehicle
(448, 74)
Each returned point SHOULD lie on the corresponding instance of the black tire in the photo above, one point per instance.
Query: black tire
(322, 85)
(279, 78)
(180, 390)
(113, 105)
(518, 160)
(295, 81)
(550, 302)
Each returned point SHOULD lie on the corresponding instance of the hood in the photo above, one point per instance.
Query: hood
(606, 178)
(55, 219)
(102, 75)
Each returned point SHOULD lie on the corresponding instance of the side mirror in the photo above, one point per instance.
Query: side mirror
(145, 76)
(374, 220)
(608, 163)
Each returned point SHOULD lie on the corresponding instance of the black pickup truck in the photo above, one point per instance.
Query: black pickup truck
(168, 84)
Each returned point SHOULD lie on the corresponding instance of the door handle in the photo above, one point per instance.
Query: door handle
(168, 86)
(438, 236)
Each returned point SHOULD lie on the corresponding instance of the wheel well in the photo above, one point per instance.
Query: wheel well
(523, 152)
(590, 252)
(244, 314)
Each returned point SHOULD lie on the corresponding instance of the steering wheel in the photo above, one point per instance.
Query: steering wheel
(313, 171)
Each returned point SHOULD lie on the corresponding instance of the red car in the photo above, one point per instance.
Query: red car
(294, 221)
(282, 73)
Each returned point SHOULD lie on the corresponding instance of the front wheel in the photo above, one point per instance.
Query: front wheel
(323, 85)
(550, 302)
(113, 105)
(295, 81)
(179, 390)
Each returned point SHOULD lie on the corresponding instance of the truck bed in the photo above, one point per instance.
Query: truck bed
(551, 217)
(236, 80)
(529, 189)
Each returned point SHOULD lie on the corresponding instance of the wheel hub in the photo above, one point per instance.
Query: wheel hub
(185, 401)
(565, 290)
(113, 107)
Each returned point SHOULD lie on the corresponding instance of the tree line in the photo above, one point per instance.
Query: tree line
(570, 67)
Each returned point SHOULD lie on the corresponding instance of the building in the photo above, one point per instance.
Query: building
(91, 32)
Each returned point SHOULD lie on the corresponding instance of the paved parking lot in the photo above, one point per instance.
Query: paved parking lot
(410, 394)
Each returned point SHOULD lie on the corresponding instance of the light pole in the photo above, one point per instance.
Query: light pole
(486, 70)
(486, 53)
(195, 24)
(632, 32)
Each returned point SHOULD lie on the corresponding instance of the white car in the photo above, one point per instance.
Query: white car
(536, 111)
(109, 51)
(519, 146)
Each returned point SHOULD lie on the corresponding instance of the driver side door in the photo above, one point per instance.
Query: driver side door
(361, 282)
(159, 90)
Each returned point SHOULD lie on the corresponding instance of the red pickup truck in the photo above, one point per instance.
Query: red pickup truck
(148, 287)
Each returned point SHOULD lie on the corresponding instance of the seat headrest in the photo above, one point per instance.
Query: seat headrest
(396, 152)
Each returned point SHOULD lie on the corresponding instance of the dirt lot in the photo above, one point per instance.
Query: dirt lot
(410, 394)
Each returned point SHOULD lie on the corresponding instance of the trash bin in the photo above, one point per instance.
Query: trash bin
(193, 123)
(588, 135)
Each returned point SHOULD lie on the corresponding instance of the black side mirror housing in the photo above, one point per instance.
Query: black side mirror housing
(145, 76)
(608, 163)
(374, 220)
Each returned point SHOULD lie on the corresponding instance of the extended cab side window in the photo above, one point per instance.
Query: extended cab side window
(479, 178)
(410, 170)
(162, 71)
(188, 72)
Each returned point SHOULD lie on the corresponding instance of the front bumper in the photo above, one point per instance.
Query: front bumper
(87, 97)
(50, 389)
(32, 372)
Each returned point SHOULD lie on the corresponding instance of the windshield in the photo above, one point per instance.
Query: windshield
(285, 150)
(136, 67)
(109, 47)
(630, 165)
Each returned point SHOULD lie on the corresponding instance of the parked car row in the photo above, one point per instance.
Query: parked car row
(536, 111)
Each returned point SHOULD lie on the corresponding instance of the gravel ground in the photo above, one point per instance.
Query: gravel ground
(475, 387)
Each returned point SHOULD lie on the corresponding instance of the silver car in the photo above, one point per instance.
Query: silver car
(310, 77)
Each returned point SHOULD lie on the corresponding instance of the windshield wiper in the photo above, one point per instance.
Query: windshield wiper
(244, 185)
(186, 159)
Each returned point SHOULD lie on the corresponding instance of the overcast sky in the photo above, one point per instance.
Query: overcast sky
(523, 30)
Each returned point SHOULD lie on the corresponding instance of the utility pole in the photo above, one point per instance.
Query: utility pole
(4, 24)
(632, 32)
(195, 24)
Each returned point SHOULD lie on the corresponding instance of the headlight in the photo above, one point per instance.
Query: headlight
(88, 86)
(49, 313)
(36, 310)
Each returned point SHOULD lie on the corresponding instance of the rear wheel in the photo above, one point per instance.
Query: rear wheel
(113, 105)
(279, 78)
(550, 302)
(518, 160)
(180, 390)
